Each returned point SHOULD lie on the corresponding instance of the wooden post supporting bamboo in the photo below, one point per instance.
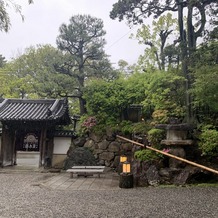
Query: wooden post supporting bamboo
(170, 155)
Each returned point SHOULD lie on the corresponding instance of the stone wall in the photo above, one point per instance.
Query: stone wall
(106, 149)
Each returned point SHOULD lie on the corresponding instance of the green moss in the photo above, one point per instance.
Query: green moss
(155, 136)
(147, 155)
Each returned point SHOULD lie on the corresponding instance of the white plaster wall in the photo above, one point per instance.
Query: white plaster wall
(61, 145)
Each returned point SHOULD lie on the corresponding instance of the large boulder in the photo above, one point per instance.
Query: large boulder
(145, 173)
(192, 175)
(95, 137)
(107, 156)
(116, 162)
(90, 144)
(80, 156)
(153, 175)
(114, 147)
(79, 142)
(103, 145)
(138, 178)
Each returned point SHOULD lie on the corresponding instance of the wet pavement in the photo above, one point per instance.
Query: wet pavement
(28, 193)
(63, 181)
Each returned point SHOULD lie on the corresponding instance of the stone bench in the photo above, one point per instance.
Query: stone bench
(86, 170)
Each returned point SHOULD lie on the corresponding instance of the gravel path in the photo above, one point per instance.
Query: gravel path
(21, 196)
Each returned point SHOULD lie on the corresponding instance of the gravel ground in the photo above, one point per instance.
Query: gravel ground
(21, 196)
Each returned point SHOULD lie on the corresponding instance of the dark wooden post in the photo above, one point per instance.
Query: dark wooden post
(14, 152)
(7, 146)
(49, 152)
(126, 180)
(42, 147)
(1, 151)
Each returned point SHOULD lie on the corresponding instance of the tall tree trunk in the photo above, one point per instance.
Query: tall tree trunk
(81, 79)
(184, 61)
(192, 36)
(82, 106)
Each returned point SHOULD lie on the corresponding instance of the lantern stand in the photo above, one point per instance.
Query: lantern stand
(123, 159)
(126, 177)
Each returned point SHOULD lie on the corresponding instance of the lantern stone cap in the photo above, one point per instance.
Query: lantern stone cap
(177, 142)
(181, 126)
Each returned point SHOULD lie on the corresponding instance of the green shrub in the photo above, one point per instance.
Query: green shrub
(125, 127)
(141, 128)
(160, 116)
(155, 136)
(147, 155)
(209, 141)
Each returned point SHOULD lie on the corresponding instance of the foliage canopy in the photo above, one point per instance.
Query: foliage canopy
(82, 40)
(4, 16)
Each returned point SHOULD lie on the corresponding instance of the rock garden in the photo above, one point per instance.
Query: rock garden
(149, 168)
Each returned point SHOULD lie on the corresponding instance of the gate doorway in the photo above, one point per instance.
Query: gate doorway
(27, 148)
(28, 158)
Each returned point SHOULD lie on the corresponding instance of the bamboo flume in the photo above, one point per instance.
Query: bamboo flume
(169, 155)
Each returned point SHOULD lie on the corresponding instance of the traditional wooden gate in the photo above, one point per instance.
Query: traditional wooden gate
(26, 124)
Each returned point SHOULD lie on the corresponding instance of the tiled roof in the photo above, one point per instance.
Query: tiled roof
(34, 110)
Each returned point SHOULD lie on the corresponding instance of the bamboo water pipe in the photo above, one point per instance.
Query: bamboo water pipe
(169, 155)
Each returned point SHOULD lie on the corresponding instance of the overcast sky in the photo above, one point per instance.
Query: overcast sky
(44, 17)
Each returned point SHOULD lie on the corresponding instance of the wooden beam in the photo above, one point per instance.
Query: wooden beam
(170, 155)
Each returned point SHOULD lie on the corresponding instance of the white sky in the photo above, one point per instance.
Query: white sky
(44, 17)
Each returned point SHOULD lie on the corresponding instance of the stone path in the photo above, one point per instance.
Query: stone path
(62, 181)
